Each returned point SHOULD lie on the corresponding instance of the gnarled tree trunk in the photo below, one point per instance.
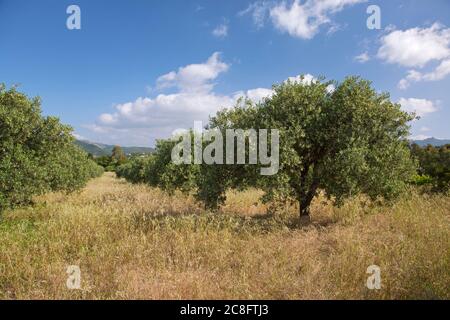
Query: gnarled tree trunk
(305, 201)
(304, 209)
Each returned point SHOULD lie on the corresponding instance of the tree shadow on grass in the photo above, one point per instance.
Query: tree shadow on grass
(208, 221)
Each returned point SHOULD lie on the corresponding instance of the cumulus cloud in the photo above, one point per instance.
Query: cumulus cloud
(194, 77)
(300, 20)
(420, 107)
(257, 95)
(412, 76)
(416, 48)
(441, 72)
(221, 31)
(142, 121)
(148, 118)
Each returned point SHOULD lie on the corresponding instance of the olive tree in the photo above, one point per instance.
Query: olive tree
(118, 156)
(37, 154)
(158, 169)
(342, 138)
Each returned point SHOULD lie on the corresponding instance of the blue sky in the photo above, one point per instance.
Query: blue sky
(137, 70)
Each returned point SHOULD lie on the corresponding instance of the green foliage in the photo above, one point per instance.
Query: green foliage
(422, 180)
(118, 156)
(434, 164)
(37, 153)
(344, 141)
(157, 170)
(136, 170)
(105, 162)
(115, 160)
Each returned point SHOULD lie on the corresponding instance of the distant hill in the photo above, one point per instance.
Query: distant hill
(99, 149)
(433, 141)
(91, 148)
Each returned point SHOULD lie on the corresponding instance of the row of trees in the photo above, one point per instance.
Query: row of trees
(112, 162)
(37, 154)
(343, 141)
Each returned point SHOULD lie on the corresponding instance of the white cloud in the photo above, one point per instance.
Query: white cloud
(334, 28)
(77, 136)
(300, 20)
(416, 48)
(148, 118)
(258, 11)
(412, 76)
(151, 118)
(420, 137)
(142, 121)
(221, 31)
(294, 20)
(362, 58)
(425, 129)
(194, 77)
(145, 119)
(307, 79)
(390, 27)
(441, 72)
(421, 107)
(257, 95)
(164, 109)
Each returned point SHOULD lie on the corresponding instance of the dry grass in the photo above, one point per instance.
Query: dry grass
(134, 242)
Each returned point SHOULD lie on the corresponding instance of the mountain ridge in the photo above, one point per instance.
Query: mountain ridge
(431, 141)
(100, 149)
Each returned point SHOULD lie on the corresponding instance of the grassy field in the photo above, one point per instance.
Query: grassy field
(134, 242)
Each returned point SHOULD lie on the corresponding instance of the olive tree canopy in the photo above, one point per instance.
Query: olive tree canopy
(342, 138)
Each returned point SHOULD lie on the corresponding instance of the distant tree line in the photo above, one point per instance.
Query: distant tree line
(434, 167)
(37, 153)
(112, 162)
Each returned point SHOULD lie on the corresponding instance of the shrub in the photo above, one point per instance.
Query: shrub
(37, 154)
(157, 170)
(434, 163)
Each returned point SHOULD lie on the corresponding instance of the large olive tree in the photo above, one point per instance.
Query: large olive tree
(342, 138)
